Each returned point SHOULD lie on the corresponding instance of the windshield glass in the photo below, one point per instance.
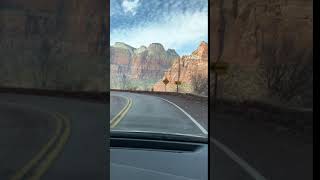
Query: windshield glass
(159, 67)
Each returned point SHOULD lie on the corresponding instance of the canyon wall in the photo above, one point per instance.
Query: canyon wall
(139, 67)
(54, 44)
(193, 73)
(252, 35)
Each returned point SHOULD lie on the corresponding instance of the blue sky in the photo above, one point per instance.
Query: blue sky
(177, 24)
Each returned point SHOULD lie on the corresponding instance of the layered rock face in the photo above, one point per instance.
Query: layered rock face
(193, 67)
(53, 44)
(246, 33)
(241, 28)
(139, 67)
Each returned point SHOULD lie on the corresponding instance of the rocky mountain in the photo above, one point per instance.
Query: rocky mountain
(139, 67)
(193, 68)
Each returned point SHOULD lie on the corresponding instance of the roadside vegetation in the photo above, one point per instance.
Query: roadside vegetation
(200, 84)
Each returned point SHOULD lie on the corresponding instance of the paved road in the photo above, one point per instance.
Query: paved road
(23, 131)
(88, 124)
(257, 150)
(117, 103)
(240, 149)
(150, 113)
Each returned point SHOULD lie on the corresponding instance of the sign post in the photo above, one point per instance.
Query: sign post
(218, 68)
(165, 82)
(177, 83)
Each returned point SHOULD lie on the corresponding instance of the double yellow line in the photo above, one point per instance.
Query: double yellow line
(116, 119)
(40, 163)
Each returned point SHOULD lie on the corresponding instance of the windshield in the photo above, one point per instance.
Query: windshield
(159, 68)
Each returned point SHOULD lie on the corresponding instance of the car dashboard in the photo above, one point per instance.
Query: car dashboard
(145, 159)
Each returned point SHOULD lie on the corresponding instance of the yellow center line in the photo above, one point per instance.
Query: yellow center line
(45, 164)
(20, 174)
(49, 152)
(115, 121)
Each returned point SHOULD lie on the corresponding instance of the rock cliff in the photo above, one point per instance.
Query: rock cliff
(54, 44)
(251, 33)
(193, 67)
(139, 67)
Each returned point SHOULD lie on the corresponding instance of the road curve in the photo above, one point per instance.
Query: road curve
(85, 150)
(118, 103)
(151, 113)
(23, 132)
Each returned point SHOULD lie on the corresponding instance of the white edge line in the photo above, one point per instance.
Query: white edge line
(188, 115)
(250, 170)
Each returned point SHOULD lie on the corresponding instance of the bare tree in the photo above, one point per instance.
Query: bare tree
(124, 81)
(42, 65)
(286, 70)
(199, 83)
(4, 73)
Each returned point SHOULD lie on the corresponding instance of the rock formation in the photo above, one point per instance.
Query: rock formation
(54, 44)
(247, 33)
(193, 67)
(143, 66)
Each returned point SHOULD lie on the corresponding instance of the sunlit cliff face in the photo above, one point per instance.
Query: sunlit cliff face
(145, 65)
(191, 66)
(178, 25)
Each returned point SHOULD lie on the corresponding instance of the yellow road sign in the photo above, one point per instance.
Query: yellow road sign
(165, 81)
(177, 82)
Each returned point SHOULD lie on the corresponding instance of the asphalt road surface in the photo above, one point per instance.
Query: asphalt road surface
(258, 150)
(83, 156)
(117, 103)
(151, 113)
(240, 149)
(23, 131)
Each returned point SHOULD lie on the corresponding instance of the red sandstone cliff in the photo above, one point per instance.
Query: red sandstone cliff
(191, 66)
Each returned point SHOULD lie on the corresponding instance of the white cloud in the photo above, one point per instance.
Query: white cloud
(130, 6)
(176, 31)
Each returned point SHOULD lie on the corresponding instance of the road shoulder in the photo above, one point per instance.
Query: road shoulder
(196, 107)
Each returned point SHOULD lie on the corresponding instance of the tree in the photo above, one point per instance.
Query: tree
(42, 64)
(124, 81)
(286, 71)
(199, 83)
(4, 73)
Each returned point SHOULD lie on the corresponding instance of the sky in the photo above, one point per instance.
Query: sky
(176, 24)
